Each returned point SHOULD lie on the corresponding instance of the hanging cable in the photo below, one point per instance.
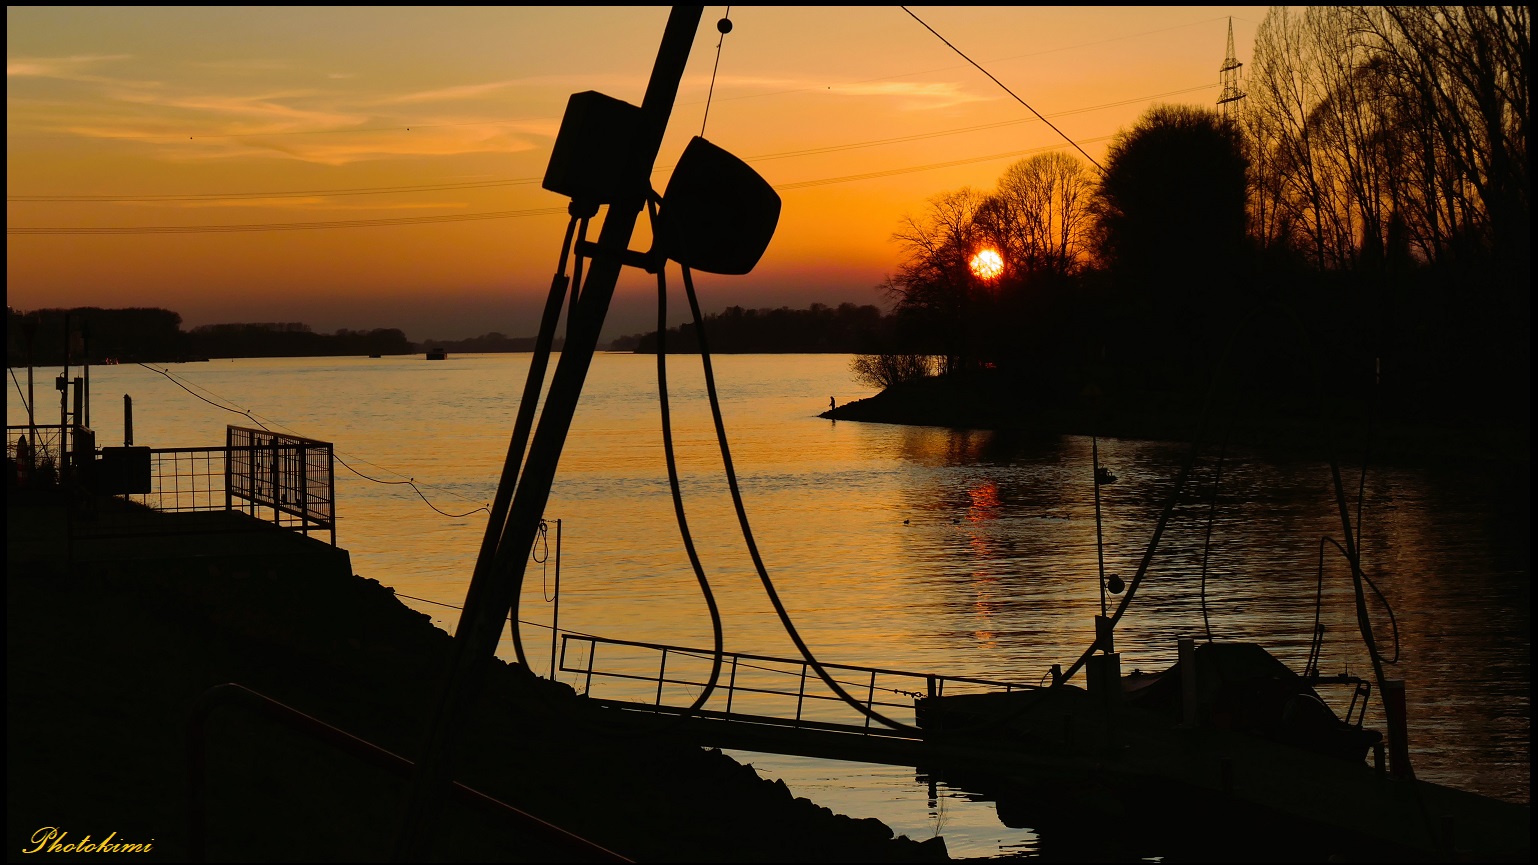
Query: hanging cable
(716, 628)
(747, 529)
(1212, 509)
(496, 522)
(1094, 450)
(254, 418)
(725, 27)
(243, 412)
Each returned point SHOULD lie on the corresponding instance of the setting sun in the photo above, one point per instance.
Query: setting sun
(986, 264)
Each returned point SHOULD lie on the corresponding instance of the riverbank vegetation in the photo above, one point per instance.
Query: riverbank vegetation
(1358, 230)
(151, 334)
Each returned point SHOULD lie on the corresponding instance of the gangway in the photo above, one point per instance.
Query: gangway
(762, 702)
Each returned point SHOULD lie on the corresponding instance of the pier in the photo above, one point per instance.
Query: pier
(1058, 758)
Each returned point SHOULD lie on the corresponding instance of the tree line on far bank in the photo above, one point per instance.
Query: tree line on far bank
(153, 335)
(845, 329)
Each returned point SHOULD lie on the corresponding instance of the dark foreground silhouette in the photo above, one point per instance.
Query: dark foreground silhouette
(105, 661)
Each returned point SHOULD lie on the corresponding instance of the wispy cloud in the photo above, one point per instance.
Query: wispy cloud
(313, 204)
(444, 94)
(908, 95)
(212, 119)
(71, 68)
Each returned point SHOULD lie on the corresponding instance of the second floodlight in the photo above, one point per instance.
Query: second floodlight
(718, 215)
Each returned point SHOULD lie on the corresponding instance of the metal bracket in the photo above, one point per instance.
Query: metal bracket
(650, 261)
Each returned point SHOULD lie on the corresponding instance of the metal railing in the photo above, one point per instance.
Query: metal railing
(36, 453)
(282, 479)
(290, 475)
(758, 686)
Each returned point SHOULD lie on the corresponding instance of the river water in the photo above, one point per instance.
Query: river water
(965, 553)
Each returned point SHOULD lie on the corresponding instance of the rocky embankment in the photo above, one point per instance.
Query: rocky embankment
(106, 659)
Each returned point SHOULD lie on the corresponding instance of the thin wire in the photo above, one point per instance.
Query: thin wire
(243, 412)
(407, 127)
(19, 393)
(285, 226)
(411, 482)
(1212, 509)
(727, 17)
(522, 181)
(297, 193)
(1006, 89)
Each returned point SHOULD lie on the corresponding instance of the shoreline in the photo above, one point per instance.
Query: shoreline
(109, 653)
(993, 404)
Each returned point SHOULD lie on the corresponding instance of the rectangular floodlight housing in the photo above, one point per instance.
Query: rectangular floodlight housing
(593, 148)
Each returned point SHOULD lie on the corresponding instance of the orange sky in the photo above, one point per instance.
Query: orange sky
(276, 117)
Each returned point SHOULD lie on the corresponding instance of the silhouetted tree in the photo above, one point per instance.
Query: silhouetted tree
(1389, 150)
(1171, 221)
(1039, 216)
(933, 291)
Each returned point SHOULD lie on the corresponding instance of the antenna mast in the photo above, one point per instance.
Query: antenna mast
(1228, 100)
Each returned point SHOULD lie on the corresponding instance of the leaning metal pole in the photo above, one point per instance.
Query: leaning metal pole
(488, 605)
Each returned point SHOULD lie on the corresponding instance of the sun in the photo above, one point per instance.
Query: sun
(986, 264)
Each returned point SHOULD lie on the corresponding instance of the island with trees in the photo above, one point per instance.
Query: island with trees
(1355, 237)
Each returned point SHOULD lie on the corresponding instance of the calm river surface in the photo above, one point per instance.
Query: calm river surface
(932, 550)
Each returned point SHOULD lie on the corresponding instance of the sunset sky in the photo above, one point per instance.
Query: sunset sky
(161, 123)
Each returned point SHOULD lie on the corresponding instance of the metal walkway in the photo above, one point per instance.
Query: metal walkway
(761, 703)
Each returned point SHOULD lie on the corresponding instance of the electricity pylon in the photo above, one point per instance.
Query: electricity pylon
(1228, 99)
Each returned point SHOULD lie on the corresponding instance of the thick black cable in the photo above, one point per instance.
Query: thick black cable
(716, 628)
(747, 529)
(539, 361)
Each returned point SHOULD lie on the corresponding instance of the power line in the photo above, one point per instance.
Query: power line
(286, 226)
(997, 124)
(523, 181)
(507, 214)
(468, 217)
(1005, 89)
(991, 60)
(805, 184)
(298, 193)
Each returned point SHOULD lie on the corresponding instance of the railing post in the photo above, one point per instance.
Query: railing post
(1393, 696)
(592, 651)
(304, 491)
(731, 687)
(870, 699)
(277, 515)
(801, 694)
(661, 672)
